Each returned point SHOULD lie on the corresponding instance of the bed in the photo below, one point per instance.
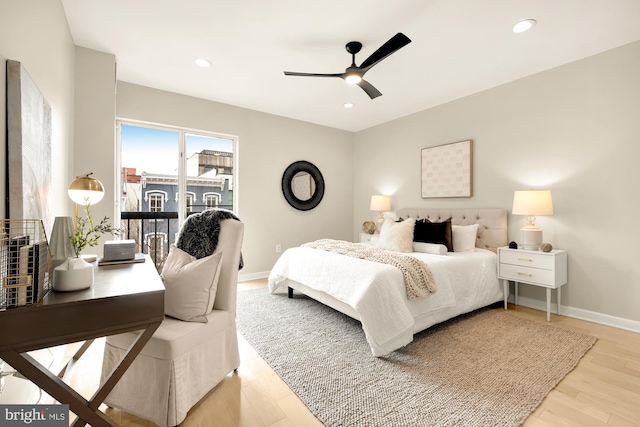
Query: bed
(375, 293)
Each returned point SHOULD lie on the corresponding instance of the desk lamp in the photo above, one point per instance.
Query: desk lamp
(85, 191)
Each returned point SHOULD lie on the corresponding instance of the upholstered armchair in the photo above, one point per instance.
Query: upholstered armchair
(183, 360)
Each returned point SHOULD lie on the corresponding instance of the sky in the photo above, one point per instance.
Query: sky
(156, 150)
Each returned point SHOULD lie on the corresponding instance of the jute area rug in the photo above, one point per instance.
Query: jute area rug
(483, 369)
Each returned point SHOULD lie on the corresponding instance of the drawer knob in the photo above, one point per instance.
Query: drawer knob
(525, 259)
(524, 274)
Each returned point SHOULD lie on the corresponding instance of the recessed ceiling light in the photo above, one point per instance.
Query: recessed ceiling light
(348, 105)
(523, 26)
(201, 62)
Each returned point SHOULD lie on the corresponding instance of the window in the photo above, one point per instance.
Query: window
(183, 164)
(211, 200)
(156, 203)
(165, 173)
(155, 200)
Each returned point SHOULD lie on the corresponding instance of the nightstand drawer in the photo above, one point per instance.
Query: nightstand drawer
(527, 274)
(528, 259)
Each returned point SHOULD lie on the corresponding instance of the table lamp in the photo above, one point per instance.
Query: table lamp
(85, 190)
(381, 204)
(532, 203)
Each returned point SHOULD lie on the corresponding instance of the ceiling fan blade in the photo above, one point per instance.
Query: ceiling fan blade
(394, 43)
(368, 87)
(291, 73)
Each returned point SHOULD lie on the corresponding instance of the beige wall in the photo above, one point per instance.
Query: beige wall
(574, 130)
(36, 34)
(267, 145)
(95, 104)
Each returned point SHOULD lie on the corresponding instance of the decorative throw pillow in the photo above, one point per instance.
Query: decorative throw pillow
(429, 248)
(397, 236)
(434, 232)
(464, 237)
(190, 285)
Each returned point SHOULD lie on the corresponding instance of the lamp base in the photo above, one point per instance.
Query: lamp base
(531, 237)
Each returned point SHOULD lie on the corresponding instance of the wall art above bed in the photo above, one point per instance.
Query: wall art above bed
(446, 170)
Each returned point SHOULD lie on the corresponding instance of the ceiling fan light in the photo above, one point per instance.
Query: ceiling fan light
(353, 78)
(523, 26)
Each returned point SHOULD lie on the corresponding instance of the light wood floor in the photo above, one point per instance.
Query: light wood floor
(603, 390)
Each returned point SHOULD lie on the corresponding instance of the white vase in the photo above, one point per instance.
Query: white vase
(73, 275)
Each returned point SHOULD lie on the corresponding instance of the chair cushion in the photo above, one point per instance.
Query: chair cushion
(190, 285)
(174, 337)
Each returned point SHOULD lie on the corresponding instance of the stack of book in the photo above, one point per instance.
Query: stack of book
(24, 263)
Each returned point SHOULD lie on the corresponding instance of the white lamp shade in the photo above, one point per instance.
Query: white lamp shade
(532, 202)
(85, 190)
(380, 203)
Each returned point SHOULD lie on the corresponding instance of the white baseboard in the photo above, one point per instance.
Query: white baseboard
(253, 276)
(578, 313)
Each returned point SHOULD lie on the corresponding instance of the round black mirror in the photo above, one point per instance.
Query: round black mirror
(302, 185)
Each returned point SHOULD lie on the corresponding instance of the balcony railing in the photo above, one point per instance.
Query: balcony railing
(154, 232)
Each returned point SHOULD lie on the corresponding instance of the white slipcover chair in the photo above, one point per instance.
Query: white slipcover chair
(183, 361)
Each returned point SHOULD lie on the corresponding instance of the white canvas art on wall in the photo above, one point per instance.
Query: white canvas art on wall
(446, 170)
(29, 148)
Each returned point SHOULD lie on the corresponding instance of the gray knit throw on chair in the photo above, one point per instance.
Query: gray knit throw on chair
(199, 234)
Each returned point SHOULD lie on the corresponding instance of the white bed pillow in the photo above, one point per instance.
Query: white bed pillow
(464, 237)
(190, 285)
(430, 248)
(397, 236)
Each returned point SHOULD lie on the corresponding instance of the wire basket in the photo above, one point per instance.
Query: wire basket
(25, 263)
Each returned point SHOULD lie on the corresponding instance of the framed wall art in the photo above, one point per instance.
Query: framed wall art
(28, 148)
(446, 170)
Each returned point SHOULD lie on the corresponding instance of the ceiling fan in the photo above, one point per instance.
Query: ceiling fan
(354, 74)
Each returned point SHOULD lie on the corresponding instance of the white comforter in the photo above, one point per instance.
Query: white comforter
(377, 292)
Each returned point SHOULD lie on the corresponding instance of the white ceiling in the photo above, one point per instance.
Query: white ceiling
(459, 47)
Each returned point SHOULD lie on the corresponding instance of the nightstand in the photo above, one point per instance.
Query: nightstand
(366, 238)
(546, 269)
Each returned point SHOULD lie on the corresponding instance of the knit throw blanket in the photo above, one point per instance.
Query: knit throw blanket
(418, 278)
(199, 233)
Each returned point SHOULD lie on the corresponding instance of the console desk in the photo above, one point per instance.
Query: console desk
(123, 298)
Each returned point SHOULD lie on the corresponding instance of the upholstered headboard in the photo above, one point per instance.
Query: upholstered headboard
(492, 230)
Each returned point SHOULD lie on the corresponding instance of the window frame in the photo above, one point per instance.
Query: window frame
(182, 167)
(156, 194)
(213, 194)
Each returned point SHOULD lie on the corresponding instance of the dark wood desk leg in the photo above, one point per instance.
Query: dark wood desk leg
(60, 391)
